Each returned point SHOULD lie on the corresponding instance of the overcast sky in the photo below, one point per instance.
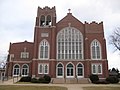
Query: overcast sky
(17, 20)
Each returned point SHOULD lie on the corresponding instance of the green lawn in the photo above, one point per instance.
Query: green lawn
(101, 88)
(4, 87)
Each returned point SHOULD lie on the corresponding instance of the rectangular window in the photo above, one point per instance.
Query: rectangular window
(24, 55)
(96, 68)
(11, 57)
(43, 68)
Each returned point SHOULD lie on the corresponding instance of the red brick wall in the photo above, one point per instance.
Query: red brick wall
(90, 31)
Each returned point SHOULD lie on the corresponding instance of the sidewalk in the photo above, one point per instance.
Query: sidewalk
(69, 86)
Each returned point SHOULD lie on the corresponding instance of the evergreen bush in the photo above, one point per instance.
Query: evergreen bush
(112, 79)
(25, 79)
(94, 78)
(34, 80)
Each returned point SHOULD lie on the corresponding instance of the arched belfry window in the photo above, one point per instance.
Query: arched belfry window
(69, 44)
(95, 50)
(45, 20)
(44, 49)
(48, 21)
(42, 20)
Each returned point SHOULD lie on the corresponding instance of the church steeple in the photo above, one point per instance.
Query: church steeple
(46, 16)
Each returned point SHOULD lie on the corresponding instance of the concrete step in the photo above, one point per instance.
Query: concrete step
(83, 81)
(70, 80)
(58, 80)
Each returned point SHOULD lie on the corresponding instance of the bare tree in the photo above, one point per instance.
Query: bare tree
(115, 39)
(3, 62)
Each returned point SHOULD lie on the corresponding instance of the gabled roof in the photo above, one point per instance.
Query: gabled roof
(69, 18)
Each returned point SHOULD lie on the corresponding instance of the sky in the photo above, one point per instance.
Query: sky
(17, 20)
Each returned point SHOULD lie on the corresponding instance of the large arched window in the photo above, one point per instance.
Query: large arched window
(16, 70)
(44, 49)
(80, 70)
(60, 70)
(69, 44)
(70, 70)
(95, 49)
(25, 70)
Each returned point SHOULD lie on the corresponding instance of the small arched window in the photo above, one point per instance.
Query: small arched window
(79, 70)
(95, 50)
(59, 70)
(70, 70)
(25, 70)
(42, 20)
(16, 70)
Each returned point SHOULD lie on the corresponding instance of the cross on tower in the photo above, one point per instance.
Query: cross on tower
(69, 10)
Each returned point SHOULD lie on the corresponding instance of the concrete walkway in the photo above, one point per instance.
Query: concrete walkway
(69, 86)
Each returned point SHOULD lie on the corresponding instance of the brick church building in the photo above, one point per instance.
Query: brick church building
(64, 49)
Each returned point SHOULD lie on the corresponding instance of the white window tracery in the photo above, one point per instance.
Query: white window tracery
(43, 68)
(16, 70)
(60, 70)
(25, 70)
(95, 49)
(80, 70)
(69, 44)
(96, 68)
(44, 50)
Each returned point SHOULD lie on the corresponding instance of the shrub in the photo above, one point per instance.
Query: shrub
(34, 80)
(112, 79)
(41, 80)
(101, 82)
(94, 78)
(25, 79)
(47, 79)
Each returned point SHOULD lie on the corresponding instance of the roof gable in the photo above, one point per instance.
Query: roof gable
(69, 18)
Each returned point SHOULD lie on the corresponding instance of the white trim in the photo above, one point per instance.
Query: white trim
(82, 70)
(57, 70)
(73, 70)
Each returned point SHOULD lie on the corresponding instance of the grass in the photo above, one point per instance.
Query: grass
(101, 88)
(12, 87)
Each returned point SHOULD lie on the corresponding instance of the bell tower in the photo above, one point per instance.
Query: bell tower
(46, 17)
(45, 26)
(44, 39)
